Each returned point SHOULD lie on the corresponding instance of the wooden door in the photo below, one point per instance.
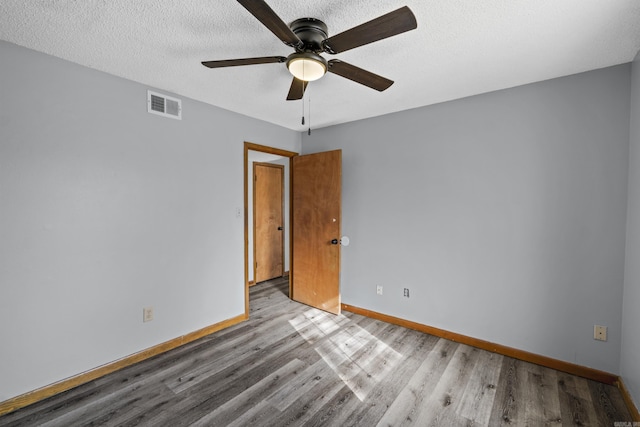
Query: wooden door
(316, 183)
(268, 189)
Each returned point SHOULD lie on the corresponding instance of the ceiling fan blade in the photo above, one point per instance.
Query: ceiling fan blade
(359, 75)
(391, 24)
(296, 91)
(245, 61)
(272, 21)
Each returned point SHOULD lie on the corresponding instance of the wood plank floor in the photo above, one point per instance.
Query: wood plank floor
(292, 365)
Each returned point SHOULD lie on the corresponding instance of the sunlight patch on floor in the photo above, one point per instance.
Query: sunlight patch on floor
(315, 324)
(360, 359)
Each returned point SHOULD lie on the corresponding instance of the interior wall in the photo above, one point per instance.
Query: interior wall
(106, 209)
(503, 214)
(629, 365)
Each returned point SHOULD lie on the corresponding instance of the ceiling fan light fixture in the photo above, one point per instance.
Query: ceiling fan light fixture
(307, 66)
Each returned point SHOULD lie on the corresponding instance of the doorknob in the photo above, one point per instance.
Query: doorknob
(280, 228)
(344, 241)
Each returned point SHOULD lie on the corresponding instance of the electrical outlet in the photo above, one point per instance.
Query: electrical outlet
(599, 333)
(147, 314)
(379, 289)
(406, 292)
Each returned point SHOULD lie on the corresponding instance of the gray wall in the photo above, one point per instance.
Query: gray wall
(503, 213)
(106, 209)
(629, 361)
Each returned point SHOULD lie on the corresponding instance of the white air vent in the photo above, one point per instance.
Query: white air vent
(164, 105)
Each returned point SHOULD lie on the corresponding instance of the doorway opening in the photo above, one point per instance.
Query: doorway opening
(268, 220)
(255, 153)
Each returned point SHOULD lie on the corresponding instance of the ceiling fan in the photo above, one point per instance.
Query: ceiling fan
(309, 38)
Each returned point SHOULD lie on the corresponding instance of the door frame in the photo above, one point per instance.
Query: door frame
(270, 150)
(255, 244)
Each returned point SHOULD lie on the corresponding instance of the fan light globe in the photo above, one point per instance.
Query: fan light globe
(307, 67)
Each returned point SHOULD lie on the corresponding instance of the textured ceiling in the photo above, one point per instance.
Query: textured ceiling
(461, 48)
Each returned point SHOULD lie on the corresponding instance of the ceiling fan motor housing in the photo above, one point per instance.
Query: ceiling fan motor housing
(311, 31)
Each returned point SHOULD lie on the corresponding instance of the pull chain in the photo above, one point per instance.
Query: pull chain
(309, 131)
(302, 99)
